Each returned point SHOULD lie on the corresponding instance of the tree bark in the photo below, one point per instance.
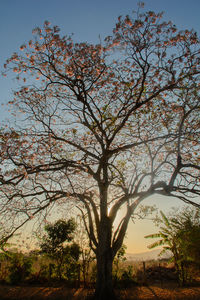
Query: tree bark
(104, 285)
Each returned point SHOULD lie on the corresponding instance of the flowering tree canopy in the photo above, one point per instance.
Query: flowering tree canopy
(103, 126)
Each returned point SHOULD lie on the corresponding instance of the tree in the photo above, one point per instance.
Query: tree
(167, 239)
(180, 234)
(53, 243)
(104, 127)
(188, 234)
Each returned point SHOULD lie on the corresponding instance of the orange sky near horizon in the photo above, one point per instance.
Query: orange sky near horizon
(134, 240)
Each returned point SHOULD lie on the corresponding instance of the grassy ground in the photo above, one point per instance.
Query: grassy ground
(168, 291)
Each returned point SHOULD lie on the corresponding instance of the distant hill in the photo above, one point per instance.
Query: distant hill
(148, 255)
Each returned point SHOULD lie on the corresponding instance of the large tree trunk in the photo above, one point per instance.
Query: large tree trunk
(104, 255)
(104, 284)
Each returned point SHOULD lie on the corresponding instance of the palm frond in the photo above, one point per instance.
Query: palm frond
(153, 235)
(164, 250)
(165, 219)
(156, 244)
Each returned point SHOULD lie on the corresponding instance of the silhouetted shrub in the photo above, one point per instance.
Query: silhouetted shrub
(20, 267)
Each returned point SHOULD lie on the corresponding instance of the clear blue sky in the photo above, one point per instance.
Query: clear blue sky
(87, 19)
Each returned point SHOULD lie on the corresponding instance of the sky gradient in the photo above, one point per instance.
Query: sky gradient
(87, 20)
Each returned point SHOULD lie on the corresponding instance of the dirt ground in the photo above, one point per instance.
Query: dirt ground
(64, 293)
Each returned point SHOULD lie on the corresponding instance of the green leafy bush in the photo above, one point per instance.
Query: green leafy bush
(20, 267)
